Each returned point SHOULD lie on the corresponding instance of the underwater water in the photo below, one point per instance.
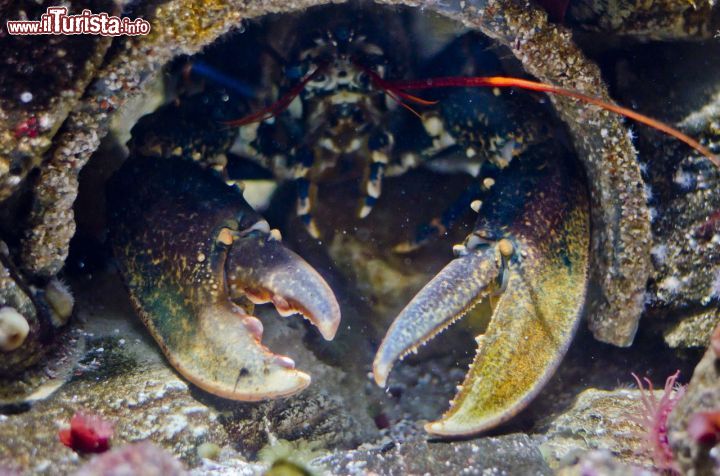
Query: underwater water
(361, 238)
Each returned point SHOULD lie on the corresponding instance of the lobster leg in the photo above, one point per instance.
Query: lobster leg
(379, 145)
(306, 190)
(472, 197)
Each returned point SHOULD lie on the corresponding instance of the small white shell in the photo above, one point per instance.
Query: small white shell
(14, 328)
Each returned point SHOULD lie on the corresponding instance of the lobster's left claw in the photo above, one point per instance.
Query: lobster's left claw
(462, 284)
(537, 264)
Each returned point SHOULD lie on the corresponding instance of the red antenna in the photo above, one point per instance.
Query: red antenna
(505, 82)
(394, 92)
(397, 91)
(278, 106)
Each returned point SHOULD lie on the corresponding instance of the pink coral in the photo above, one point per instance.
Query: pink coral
(654, 417)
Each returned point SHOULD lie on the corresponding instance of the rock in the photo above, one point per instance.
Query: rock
(40, 364)
(702, 395)
(694, 329)
(599, 420)
(46, 375)
(657, 20)
(409, 452)
(681, 187)
(313, 416)
(601, 463)
(43, 79)
(14, 294)
(138, 459)
(681, 244)
(124, 378)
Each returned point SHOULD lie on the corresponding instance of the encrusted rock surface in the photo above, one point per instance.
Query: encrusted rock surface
(414, 454)
(702, 395)
(686, 284)
(601, 462)
(689, 234)
(654, 19)
(14, 296)
(49, 372)
(682, 188)
(406, 450)
(43, 78)
(124, 378)
(694, 329)
(599, 420)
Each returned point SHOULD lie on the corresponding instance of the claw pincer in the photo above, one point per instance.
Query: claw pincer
(194, 255)
(529, 250)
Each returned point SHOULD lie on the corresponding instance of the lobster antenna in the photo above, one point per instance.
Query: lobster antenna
(507, 82)
(278, 106)
(393, 91)
(207, 71)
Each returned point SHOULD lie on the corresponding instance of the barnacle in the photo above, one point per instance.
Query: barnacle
(60, 299)
(14, 329)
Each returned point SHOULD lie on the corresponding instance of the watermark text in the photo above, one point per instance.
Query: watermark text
(56, 21)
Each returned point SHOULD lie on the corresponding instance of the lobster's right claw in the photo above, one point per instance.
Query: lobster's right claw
(190, 249)
(229, 359)
(264, 270)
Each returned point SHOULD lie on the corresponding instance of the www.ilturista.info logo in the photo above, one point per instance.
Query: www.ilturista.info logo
(56, 21)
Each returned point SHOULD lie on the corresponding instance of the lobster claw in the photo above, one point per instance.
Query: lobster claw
(191, 250)
(228, 359)
(224, 356)
(535, 270)
(463, 283)
(262, 269)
